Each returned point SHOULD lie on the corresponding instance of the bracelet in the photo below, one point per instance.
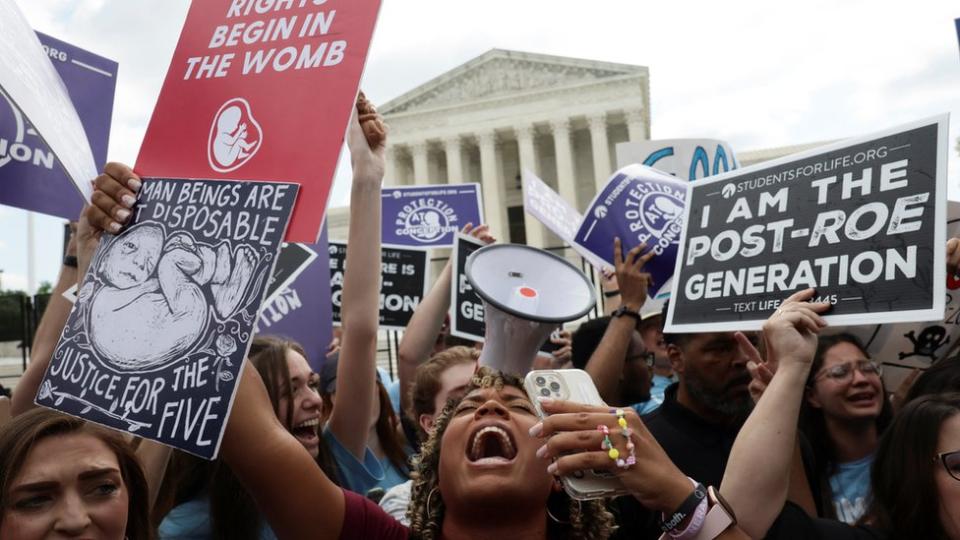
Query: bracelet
(611, 294)
(71, 261)
(696, 523)
(688, 507)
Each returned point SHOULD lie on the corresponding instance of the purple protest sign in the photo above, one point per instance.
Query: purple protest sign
(638, 204)
(301, 310)
(428, 216)
(30, 177)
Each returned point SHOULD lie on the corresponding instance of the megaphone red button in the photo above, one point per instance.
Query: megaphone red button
(528, 292)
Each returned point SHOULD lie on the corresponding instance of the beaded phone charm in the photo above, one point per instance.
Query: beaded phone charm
(611, 450)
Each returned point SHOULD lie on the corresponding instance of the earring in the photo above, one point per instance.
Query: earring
(430, 508)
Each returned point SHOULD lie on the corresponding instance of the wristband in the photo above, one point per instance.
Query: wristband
(71, 261)
(696, 523)
(624, 310)
(611, 294)
(688, 507)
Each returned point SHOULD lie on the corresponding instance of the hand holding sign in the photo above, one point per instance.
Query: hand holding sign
(790, 334)
(113, 202)
(633, 281)
(953, 257)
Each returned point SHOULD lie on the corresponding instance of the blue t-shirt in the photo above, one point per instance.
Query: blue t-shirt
(361, 477)
(657, 387)
(191, 521)
(850, 487)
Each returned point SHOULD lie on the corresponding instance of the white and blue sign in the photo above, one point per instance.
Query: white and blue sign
(545, 204)
(30, 176)
(689, 159)
(638, 205)
(429, 216)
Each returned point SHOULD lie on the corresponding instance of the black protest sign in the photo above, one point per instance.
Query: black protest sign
(403, 283)
(338, 264)
(466, 306)
(293, 259)
(862, 221)
(156, 341)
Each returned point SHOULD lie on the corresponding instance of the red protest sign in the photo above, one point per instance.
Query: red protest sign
(262, 90)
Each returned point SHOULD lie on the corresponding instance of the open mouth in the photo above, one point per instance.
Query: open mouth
(863, 398)
(490, 445)
(306, 431)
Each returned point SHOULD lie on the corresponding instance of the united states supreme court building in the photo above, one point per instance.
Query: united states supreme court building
(505, 111)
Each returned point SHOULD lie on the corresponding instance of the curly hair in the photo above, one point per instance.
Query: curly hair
(588, 520)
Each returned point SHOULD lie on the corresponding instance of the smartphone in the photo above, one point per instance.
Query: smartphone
(577, 386)
(549, 346)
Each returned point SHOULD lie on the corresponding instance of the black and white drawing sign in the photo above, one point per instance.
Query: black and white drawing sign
(403, 283)
(164, 319)
(862, 221)
(466, 306)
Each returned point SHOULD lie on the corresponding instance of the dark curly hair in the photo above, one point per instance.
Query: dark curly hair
(588, 520)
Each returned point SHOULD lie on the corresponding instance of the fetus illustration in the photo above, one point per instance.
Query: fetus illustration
(235, 136)
(167, 285)
(430, 226)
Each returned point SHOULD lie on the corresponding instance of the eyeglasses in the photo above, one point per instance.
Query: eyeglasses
(647, 357)
(951, 462)
(843, 372)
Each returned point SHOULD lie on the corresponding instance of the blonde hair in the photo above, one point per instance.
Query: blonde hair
(588, 520)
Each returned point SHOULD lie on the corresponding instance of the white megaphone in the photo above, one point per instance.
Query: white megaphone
(527, 293)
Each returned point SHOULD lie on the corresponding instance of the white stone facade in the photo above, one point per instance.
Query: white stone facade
(504, 111)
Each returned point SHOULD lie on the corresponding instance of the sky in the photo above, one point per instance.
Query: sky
(755, 74)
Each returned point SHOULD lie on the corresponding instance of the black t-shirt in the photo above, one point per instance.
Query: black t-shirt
(700, 449)
(794, 524)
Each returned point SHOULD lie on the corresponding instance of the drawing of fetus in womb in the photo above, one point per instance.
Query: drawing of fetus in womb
(234, 137)
(166, 286)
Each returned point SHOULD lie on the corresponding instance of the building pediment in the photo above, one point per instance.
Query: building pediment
(499, 73)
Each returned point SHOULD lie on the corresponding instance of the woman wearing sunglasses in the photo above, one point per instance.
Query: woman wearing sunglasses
(844, 415)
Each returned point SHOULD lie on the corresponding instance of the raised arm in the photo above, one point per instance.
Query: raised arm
(47, 336)
(606, 363)
(757, 478)
(357, 369)
(276, 469)
(421, 333)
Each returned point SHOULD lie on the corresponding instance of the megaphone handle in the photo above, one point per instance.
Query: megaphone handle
(514, 348)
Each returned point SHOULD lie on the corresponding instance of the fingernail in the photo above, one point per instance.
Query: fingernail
(544, 400)
(536, 429)
(542, 451)
(134, 184)
(114, 227)
(123, 214)
(552, 468)
(129, 200)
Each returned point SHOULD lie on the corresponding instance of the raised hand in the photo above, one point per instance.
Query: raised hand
(114, 197)
(790, 334)
(631, 278)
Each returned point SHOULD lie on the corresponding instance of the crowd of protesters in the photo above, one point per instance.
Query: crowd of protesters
(791, 427)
